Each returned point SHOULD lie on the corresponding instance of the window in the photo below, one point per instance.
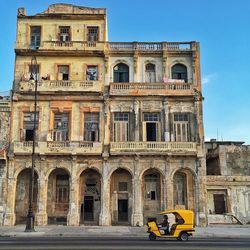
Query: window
(151, 127)
(179, 71)
(28, 126)
(123, 186)
(121, 73)
(91, 126)
(34, 70)
(180, 189)
(64, 34)
(63, 72)
(93, 34)
(92, 73)
(150, 73)
(219, 204)
(181, 127)
(35, 37)
(62, 188)
(61, 130)
(121, 127)
(151, 186)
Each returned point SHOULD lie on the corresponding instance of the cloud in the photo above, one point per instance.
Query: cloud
(208, 78)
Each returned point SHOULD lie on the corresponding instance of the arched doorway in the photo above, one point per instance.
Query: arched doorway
(152, 194)
(121, 197)
(58, 196)
(22, 195)
(90, 197)
(183, 190)
(121, 73)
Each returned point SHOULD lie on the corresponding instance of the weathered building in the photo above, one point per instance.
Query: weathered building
(4, 143)
(228, 181)
(119, 124)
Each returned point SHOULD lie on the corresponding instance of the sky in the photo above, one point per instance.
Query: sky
(221, 26)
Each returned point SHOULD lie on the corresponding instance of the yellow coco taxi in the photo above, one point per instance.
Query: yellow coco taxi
(180, 230)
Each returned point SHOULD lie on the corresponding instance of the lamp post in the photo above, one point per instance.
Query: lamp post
(30, 215)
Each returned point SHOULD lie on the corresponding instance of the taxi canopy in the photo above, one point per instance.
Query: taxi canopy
(186, 215)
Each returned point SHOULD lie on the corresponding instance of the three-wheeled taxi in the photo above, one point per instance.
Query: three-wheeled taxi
(180, 230)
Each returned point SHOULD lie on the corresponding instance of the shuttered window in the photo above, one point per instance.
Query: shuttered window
(181, 127)
(121, 127)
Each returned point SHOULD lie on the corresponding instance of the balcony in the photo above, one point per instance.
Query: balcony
(151, 46)
(62, 85)
(145, 89)
(62, 46)
(178, 148)
(59, 147)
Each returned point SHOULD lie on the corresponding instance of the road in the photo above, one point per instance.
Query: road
(120, 243)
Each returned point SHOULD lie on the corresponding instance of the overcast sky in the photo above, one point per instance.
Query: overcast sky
(221, 26)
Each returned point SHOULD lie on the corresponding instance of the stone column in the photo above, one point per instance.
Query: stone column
(73, 215)
(166, 122)
(136, 110)
(10, 217)
(137, 216)
(41, 216)
(105, 218)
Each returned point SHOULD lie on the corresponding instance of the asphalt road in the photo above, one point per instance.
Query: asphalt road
(120, 243)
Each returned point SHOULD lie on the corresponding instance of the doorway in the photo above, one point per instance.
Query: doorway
(123, 210)
(151, 131)
(88, 208)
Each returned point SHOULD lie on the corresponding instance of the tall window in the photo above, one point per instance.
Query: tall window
(91, 126)
(180, 189)
(181, 127)
(121, 127)
(61, 127)
(152, 186)
(33, 71)
(63, 72)
(150, 73)
(91, 73)
(151, 127)
(62, 188)
(179, 71)
(64, 34)
(93, 34)
(28, 126)
(121, 73)
(35, 36)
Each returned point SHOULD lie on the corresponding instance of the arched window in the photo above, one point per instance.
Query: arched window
(179, 71)
(150, 73)
(121, 73)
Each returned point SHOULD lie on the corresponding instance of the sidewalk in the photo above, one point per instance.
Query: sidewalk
(216, 231)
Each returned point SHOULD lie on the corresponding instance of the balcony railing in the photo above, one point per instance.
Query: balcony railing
(151, 46)
(111, 46)
(140, 88)
(153, 147)
(62, 85)
(59, 147)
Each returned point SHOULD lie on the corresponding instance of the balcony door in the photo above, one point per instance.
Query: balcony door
(61, 127)
(150, 73)
(151, 127)
(121, 73)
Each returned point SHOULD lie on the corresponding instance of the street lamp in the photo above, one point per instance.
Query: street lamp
(30, 215)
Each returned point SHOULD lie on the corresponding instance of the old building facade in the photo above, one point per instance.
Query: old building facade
(119, 124)
(228, 181)
(5, 109)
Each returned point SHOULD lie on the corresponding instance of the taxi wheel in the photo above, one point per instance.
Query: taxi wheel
(152, 236)
(183, 237)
